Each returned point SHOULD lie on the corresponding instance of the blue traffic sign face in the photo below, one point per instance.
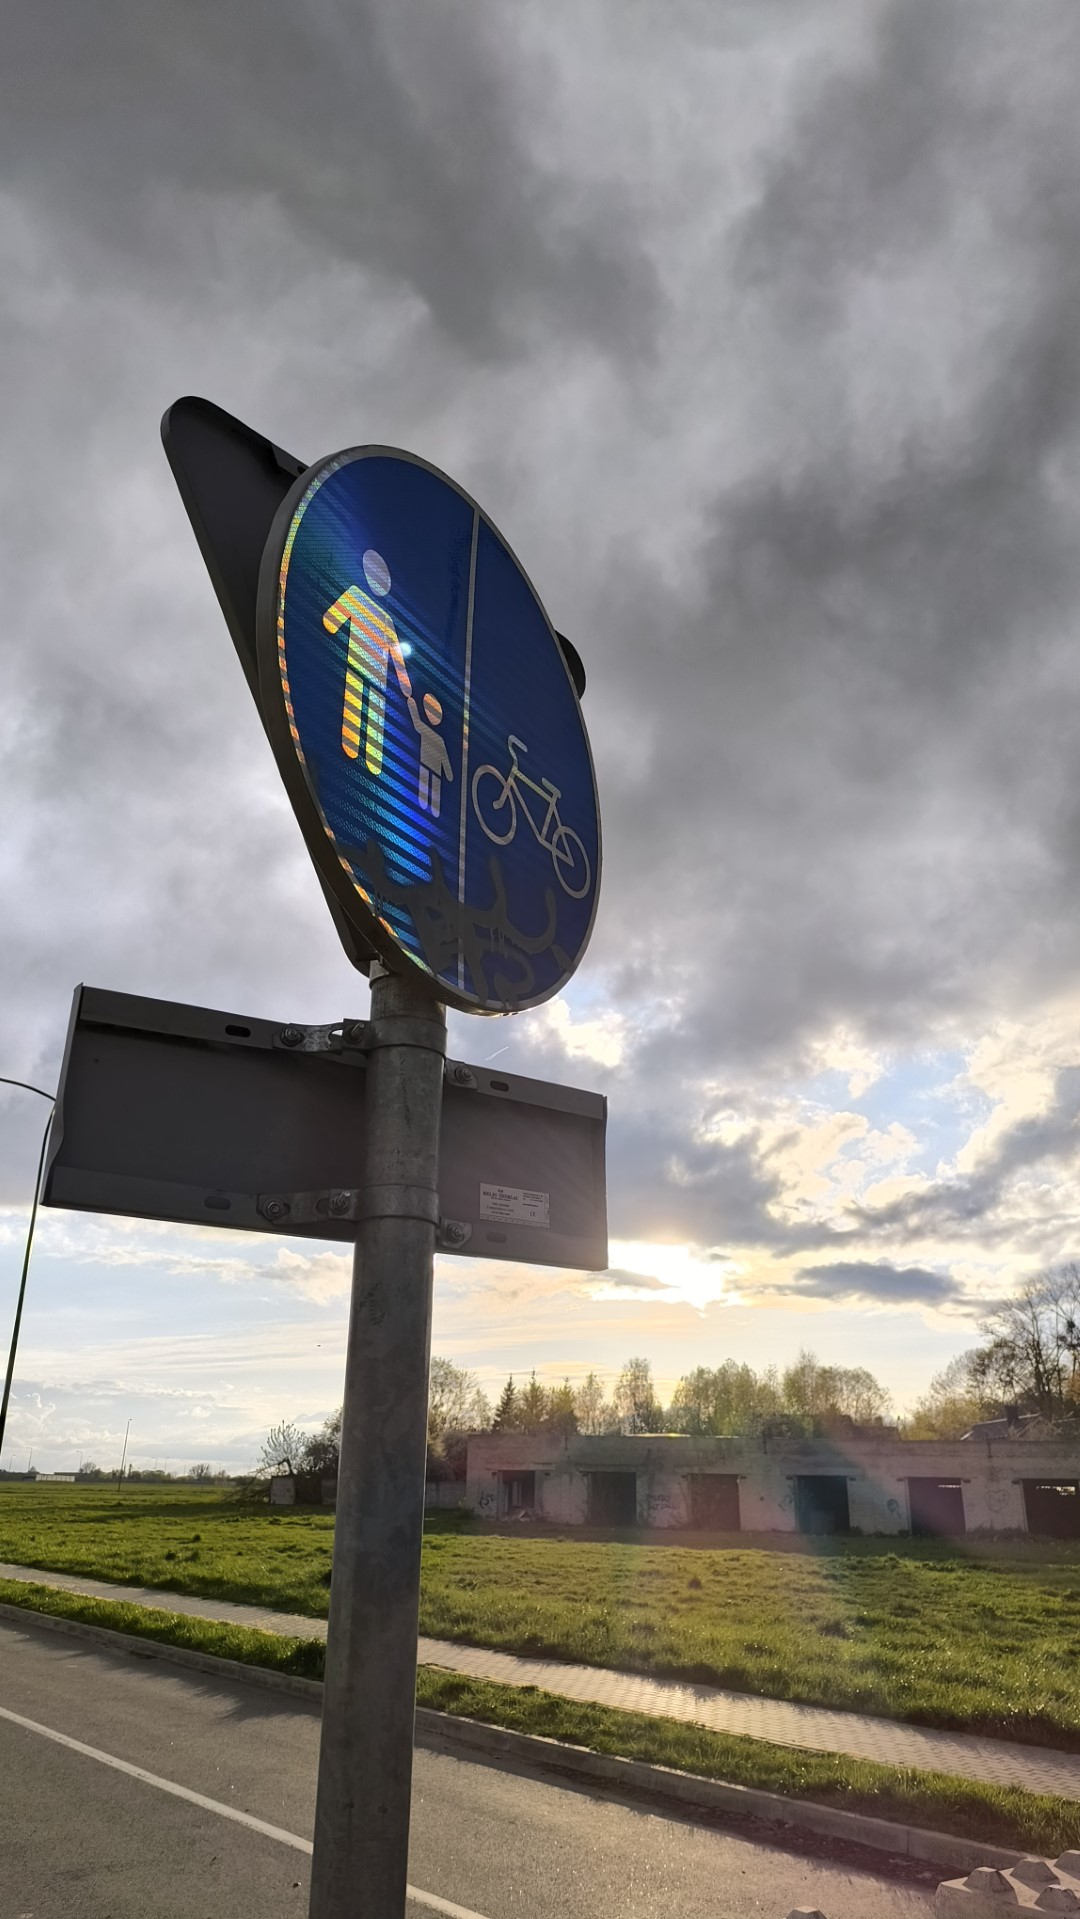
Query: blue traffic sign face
(428, 730)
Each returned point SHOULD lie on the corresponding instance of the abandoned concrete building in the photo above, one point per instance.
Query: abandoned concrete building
(874, 1483)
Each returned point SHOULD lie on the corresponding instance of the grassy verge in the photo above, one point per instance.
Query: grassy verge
(977, 1635)
(301, 1656)
(1000, 1815)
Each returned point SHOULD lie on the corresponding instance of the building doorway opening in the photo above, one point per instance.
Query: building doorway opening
(714, 1502)
(937, 1508)
(821, 1503)
(612, 1499)
(517, 1494)
(1052, 1507)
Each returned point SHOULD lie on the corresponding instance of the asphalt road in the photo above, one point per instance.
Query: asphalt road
(91, 1743)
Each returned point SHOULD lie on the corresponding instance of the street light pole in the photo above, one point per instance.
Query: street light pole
(123, 1457)
(360, 1860)
(13, 1348)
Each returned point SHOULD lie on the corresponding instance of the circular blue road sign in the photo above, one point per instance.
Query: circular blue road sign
(428, 731)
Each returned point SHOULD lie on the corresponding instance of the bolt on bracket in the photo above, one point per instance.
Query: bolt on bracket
(452, 1234)
(306, 1209)
(342, 1035)
(456, 1073)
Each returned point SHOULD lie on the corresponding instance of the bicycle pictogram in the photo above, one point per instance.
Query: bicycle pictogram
(496, 797)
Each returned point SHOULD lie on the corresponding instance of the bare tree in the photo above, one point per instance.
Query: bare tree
(1032, 1355)
(455, 1401)
(322, 1450)
(456, 1407)
(636, 1406)
(283, 1449)
(591, 1409)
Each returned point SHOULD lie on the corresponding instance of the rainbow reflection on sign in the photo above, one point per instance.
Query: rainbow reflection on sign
(428, 730)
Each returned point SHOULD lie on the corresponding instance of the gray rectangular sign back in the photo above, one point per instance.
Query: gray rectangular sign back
(180, 1113)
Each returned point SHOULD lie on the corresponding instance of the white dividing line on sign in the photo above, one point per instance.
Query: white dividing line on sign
(429, 1899)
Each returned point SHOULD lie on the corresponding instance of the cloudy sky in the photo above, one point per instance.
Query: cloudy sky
(754, 328)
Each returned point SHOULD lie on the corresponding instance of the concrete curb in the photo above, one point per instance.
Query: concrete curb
(632, 1779)
(261, 1676)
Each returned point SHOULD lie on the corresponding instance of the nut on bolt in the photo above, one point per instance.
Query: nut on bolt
(454, 1233)
(339, 1204)
(461, 1075)
(275, 1209)
(291, 1036)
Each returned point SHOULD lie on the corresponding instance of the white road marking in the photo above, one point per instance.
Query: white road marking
(429, 1899)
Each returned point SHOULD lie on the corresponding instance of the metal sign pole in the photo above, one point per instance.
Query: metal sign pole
(360, 1857)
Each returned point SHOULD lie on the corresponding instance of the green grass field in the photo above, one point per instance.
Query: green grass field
(981, 1636)
(999, 1814)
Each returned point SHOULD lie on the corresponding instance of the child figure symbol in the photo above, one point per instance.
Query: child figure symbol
(434, 758)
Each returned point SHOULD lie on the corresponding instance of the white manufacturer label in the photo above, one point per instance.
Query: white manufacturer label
(515, 1206)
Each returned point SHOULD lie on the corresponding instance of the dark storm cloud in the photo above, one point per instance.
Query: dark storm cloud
(859, 746)
(665, 1183)
(874, 1280)
(174, 187)
(396, 135)
(788, 439)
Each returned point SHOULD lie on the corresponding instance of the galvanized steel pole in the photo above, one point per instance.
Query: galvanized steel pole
(360, 1862)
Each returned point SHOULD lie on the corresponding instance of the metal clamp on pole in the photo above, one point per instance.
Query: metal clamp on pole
(397, 1202)
(427, 1034)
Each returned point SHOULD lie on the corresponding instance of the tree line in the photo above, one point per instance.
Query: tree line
(1027, 1363)
(806, 1397)
(730, 1398)
(203, 1474)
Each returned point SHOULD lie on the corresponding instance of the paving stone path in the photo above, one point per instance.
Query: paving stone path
(815, 1728)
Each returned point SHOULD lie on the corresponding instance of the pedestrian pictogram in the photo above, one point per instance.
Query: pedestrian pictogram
(373, 644)
(434, 758)
(428, 730)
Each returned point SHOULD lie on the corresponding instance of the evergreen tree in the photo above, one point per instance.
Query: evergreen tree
(535, 1406)
(562, 1416)
(508, 1411)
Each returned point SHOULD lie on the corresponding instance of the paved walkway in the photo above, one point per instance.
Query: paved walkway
(813, 1728)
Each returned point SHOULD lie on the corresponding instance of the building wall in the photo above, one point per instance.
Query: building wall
(877, 1470)
(443, 1495)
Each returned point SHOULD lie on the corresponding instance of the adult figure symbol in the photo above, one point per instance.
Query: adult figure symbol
(373, 643)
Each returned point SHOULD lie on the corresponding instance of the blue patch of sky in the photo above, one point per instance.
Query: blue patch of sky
(923, 1091)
